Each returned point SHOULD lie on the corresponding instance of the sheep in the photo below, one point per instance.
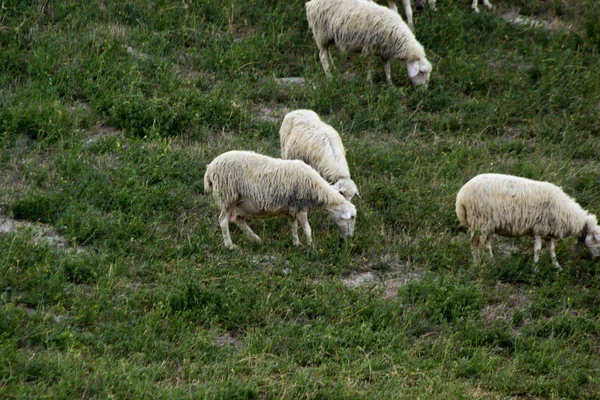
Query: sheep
(246, 184)
(366, 27)
(513, 206)
(305, 137)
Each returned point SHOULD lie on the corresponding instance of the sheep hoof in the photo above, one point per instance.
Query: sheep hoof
(476, 9)
(557, 266)
(231, 246)
(256, 239)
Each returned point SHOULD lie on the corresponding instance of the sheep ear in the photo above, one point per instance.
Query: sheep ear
(338, 188)
(413, 68)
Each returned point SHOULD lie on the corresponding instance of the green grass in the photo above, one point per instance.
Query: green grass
(109, 113)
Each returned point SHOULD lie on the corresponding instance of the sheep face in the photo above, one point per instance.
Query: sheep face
(344, 215)
(347, 188)
(419, 71)
(592, 242)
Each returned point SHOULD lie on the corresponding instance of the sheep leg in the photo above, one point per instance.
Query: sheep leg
(487, 3)
(474, 6)
(407, 11)
(224, 223)
(325, 57)
(550, 246)
(295, 239)
(302, 217)
(387, 67)
(475, 247)
(537, 248)
(392, 5)
(241, 223)
(432, 5)
(488, 244)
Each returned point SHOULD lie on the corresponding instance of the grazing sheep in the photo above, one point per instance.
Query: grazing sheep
(305, 137)
(246, 184)
(512, 206)
(365, 27)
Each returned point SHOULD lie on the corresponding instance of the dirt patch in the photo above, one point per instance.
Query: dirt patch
(100, 131)
(291, 81)
(512, 298)
(42, 233)
(390, 280)
(271, 113)
(137, 54)
(358, 279)
(549, 22)
(228, 340)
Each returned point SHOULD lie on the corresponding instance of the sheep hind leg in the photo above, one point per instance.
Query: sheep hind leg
(302, 217)
(475, 247)
(474, 6)
(325, 58)
(407, 11)
(487, 4)
(488, 244)
(537, 248)
(550, 246)
(243, 225)
(224, 223)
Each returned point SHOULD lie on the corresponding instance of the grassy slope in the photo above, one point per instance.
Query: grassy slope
(109, 112)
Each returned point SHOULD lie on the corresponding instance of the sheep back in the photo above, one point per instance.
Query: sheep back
(305, 137)
(271, 183)
(514, 206)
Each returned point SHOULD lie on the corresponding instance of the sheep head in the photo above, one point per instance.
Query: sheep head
(419, 71)
(344, 215)
(347, 188)
(592, 241)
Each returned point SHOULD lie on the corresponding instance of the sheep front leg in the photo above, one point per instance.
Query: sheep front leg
(243, 225)
(295, 239)
(224, 223)
(474, 6)
(550, 246)
(387, 67)
(302, 217)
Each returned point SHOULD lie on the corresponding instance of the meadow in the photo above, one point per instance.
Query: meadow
(114, 281)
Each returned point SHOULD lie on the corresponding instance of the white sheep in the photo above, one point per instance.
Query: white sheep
(365, 27)
(246, 184)
(305, 137)
(512, 206)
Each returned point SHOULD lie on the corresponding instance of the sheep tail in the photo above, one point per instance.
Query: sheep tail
(208, 185)
(461, 213)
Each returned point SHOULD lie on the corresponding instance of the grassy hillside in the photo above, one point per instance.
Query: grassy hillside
(114, 281)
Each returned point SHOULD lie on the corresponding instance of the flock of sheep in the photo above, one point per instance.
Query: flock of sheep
(313, 172)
